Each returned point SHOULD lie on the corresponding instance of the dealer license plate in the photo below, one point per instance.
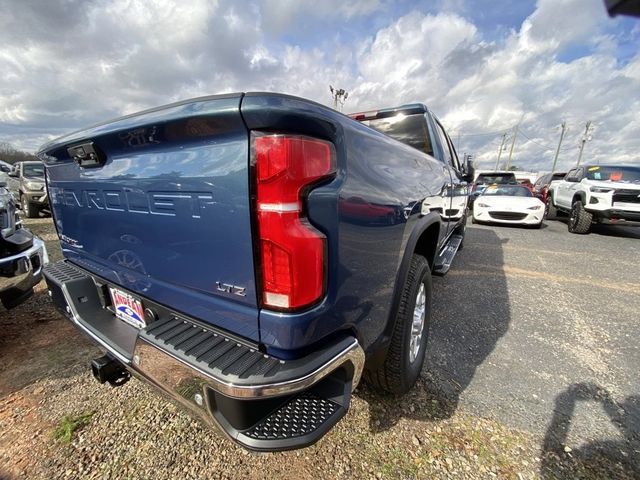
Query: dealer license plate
(127, 308)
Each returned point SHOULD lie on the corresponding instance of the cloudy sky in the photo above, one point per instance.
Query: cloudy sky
(481, 65)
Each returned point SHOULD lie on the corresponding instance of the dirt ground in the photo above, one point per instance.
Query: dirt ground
(472, 415)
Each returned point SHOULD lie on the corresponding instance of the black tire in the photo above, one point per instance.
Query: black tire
(29, 209)
(579, 220)
(473, 220)
(551, 212)
(398, 373)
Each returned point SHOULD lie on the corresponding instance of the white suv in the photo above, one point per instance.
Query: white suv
(597, 193)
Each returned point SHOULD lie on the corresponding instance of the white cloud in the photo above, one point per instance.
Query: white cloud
(116, 57)
(280, 15)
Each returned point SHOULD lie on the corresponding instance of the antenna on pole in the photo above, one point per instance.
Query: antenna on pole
(339, 96)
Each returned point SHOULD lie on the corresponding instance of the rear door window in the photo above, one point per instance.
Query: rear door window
(409, 129)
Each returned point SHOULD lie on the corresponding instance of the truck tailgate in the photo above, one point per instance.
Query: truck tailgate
(162, 209)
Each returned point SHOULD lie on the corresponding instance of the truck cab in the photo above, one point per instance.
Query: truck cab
(416, 126)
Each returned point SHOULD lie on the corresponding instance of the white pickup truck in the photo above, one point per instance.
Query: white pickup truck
(597, 194)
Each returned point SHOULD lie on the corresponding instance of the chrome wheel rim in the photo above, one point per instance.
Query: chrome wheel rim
(573, 215)
(417, 324)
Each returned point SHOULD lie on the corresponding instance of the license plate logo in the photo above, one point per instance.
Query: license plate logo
(127, 308)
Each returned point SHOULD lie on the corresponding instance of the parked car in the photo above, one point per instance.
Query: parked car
(22, 255)
(591, 194)
(484, 179)
(526, 183)
(508, 204)
(30, 187)
(541, 187)
(270, 247)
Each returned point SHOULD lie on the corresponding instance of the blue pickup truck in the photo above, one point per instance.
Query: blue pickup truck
(253, 255)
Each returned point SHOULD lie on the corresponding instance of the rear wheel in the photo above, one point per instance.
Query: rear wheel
(406, 352)
(580, 220)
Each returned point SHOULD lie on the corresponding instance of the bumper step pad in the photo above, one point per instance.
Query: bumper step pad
(210, 350)
(301, 416)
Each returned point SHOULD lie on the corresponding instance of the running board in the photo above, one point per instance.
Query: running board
(447, 254)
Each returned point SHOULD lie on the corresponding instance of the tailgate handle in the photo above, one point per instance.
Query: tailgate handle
(87, 155)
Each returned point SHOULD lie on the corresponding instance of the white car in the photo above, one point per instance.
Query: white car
(509, 205)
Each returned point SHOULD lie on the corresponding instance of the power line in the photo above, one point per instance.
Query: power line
(537, 143)
(487, 134)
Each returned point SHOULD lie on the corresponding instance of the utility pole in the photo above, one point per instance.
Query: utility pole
(555, 159)
(504, 139)
(339, 96)
(513, 143)
(585, 138)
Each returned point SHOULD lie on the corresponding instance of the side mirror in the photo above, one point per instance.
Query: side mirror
(13, 174)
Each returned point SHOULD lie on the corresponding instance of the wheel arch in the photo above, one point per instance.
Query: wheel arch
(579, 196)
(423, 240)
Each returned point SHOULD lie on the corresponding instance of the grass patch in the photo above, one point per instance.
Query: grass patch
(69, 424)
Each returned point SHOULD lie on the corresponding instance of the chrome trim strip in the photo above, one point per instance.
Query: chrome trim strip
(164, 364)
(353, 354)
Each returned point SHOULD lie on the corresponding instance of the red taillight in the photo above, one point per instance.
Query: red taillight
(292, 251)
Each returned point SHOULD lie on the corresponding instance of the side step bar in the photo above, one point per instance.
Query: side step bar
(444, 260)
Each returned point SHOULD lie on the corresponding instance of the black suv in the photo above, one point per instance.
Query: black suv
(22, 254)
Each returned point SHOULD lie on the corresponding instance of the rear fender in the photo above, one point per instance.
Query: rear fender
(427, 246)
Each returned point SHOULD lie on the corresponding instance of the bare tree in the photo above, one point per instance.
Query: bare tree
(10, 154)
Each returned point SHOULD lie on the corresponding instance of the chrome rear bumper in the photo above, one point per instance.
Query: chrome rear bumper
(261, 402)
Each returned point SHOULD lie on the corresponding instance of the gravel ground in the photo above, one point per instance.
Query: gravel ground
(531, 373)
